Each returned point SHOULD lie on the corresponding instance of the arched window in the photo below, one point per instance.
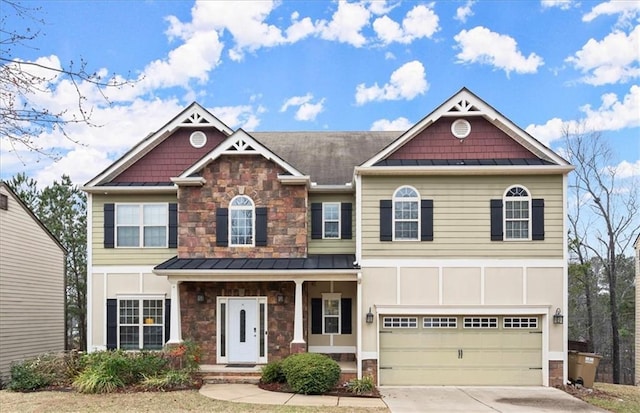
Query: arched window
(241, 221)
(406, 214)
(517, 213)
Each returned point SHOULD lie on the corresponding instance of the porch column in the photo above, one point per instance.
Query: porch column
(298, 344)
(175, 335)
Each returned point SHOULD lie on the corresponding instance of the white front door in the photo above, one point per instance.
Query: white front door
(243, 330)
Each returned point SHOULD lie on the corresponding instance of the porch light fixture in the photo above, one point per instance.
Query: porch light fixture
(200, 296)
(280, 298)
(558, 318)
(369, 318)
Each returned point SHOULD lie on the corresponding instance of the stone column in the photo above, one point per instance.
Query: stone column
(298, 344)
(175, 336)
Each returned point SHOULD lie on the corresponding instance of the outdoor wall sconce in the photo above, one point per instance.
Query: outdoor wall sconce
(280, 298)
(200, 296)
(558, 318)
(369, 318)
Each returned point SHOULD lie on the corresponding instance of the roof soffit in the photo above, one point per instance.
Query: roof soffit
(193, 116)
(240, 143)
(466, 104)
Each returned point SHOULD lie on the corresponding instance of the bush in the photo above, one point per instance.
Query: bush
(168, 380)
(25, 376)
(272, 373)
(55, 369)
(310, 373)
(185, 355)
(360, 386)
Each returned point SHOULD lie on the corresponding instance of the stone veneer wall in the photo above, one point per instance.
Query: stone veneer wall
(257, 178)
(556, 373)
(199, 319)
(370, 368)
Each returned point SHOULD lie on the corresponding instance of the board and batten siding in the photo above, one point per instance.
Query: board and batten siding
(461, 216)
(125, 256)
(332, 246)
(32, 273)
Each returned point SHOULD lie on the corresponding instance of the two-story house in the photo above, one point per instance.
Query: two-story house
(431, 256)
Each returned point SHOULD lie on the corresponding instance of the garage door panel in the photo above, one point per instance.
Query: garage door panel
(420, 358)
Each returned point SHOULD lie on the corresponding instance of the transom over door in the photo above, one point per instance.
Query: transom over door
(243, 331)
(495, 350)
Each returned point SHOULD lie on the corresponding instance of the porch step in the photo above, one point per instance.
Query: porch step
(214, 378)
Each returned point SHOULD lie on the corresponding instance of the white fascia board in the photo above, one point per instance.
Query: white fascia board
(465, 170)
(253, 275)
(462, 310)
(167, 189)
(224, 148)
(155, 138)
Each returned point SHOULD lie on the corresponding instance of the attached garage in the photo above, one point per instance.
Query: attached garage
(460, 350)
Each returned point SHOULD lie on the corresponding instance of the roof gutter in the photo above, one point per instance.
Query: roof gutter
(130, 189)
(464, 170)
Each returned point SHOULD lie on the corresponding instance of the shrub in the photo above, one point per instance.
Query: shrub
(185, 355)
(98, 379)
(360, 386)
(272, 373)
(25, 376)
(48, 369)
(167, 380)
(310, 373)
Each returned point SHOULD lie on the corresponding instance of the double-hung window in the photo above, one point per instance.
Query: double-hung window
(406, 214)
(331, 220)
(141, 323)
(331, 313)
(141, 225)
(241, 221)
(517, 213)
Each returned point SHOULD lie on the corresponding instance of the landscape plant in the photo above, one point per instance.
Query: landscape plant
(310, 373)
(272, 373)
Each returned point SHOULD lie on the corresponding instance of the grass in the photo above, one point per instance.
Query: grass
(615, 397)
(175, 401)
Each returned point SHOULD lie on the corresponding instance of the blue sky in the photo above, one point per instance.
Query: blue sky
(319, 65)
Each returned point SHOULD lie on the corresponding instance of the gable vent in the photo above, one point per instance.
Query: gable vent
(461, 128)
(198, 139)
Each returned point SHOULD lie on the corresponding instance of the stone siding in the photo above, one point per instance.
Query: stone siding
(370, 368)
(556, 373)
(257, 178)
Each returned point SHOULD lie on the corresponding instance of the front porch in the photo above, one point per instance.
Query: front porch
(229, 373)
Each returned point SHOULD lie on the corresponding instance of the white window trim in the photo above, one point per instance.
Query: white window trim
(504, 212)
(393, 213)
(141, 323)
(332, 296)
(141, 225)
(253, 221)
(324, 220)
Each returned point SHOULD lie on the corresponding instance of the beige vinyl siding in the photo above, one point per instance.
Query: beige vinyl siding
(31, 288)
(332, 246)
(461, 215)
(125, 256)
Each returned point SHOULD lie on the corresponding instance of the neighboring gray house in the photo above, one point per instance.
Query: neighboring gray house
(32, 278)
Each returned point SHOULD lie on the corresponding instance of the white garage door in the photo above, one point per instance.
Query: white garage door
(460, 350)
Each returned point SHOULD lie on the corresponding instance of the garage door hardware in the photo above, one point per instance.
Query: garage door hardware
(460, 353)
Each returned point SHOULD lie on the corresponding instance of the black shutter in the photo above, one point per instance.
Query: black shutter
(496, 220)
(261, 227)
(109, 225)
(316, 316)
(345, 220)
(345, 315)
(112, 324)
(173, 225)
(222, 227)
(537, 219)
(386, 220)
(316, 220)
(426, 223)
(167, 319)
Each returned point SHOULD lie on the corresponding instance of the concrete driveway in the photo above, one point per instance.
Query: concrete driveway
(483, 400)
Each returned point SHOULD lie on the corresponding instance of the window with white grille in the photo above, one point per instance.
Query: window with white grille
(520, 322)
(400, 322)
(481, 322)
(439, 322)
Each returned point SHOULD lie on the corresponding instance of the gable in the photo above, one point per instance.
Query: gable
(170, 158)
(485, 141)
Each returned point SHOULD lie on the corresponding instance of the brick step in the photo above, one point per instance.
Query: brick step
(230, 378)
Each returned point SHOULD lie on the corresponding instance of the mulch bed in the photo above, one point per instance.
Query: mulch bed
(339, 391)
(581, 392)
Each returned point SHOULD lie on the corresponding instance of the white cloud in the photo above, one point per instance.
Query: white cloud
(399, 124)
(613, 114)
(346, 24)
(481, 45)
(420, 22)
(626, 169)
(464, 12)
(406, 82)
(561, 4)
(615, 59)
(307, 111)
(627, 11)
(243, 116)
